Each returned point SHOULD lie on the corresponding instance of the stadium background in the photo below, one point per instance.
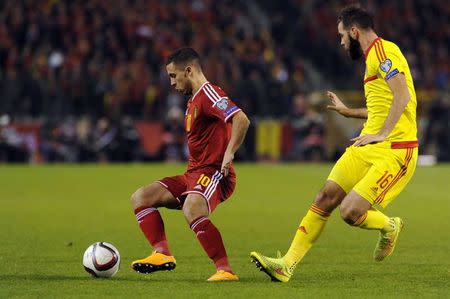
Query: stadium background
(84, 81)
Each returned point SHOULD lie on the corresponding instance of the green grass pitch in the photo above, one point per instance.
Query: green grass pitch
(50, 214)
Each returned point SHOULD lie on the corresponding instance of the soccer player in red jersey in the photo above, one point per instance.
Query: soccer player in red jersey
(215, 129)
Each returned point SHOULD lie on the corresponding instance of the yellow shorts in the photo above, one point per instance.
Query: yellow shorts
(377, 172)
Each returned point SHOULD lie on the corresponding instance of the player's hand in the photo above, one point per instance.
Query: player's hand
(338, 105)
(226, 164)
(368, 139)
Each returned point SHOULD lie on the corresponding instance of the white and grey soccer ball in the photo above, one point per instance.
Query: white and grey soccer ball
(101, 259)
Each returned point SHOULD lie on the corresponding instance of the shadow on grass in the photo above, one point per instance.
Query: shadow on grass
(139, 279)
(55, 277)
(44, 277)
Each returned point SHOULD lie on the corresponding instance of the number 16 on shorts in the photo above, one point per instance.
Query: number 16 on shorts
(384, 180)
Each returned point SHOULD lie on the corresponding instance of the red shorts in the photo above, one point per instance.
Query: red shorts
(208, 182)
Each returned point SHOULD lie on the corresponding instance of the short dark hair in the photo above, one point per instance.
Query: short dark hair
(355, 15)
(183, 56)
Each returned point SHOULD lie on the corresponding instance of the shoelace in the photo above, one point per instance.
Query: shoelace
(279, 254)
(386, 240)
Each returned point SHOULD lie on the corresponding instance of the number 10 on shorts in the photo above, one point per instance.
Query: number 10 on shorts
(203, 180)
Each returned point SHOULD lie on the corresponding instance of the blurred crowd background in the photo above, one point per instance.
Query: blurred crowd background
(84, 81)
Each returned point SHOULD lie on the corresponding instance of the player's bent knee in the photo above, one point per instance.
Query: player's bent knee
(350, 215)
(191, 213)
(328, 200)
(136, 198)
(144, 196)
(194, 208)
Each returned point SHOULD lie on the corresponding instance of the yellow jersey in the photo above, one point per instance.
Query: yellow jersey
(383, 61)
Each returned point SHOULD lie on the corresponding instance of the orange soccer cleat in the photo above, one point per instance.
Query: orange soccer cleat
(222, 275)
(155, 262)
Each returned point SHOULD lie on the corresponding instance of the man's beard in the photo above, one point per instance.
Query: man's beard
(187, 91)
(355, 51)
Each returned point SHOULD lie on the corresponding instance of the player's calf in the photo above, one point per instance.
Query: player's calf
(145, 202)
(195, 210)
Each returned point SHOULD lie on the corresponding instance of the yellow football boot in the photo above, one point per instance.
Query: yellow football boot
(276, 268)
(386, 242)
(155, 262)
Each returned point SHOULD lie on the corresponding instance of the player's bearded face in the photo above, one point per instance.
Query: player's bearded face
(355, 51)
(179, 79)
(187, 89)
(184, 85)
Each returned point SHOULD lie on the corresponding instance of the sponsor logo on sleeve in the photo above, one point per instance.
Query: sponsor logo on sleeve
(230, 111)
(391, 74)
(386, 65)
(222, 104)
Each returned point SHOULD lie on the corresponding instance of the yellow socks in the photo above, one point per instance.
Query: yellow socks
(314, 222)
(374, 219)
(307, 233)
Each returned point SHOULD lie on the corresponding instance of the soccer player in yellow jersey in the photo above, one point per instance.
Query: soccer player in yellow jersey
(380, 162)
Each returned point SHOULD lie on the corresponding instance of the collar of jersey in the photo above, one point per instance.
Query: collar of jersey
(201, 87)
(371, 46)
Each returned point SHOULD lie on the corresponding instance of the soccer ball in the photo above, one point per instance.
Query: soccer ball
(101, 259)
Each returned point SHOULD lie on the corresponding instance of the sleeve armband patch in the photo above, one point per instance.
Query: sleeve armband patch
(230, 111)
(391, 74)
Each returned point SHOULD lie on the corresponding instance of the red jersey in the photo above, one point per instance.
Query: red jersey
(208, 130)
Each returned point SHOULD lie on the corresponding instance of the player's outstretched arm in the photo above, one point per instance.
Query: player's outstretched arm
(339, 106)
(240, 123)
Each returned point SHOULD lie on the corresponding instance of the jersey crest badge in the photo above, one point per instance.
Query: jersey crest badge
(222, 104)
(386, 65)
(188, 122)
(195, 112)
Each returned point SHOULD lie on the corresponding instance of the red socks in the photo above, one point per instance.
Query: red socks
(152, 226)
(211, 241)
